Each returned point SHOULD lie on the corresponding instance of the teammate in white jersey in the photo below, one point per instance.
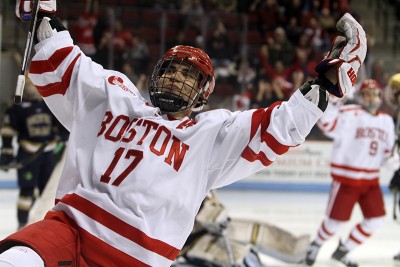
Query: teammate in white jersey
(363, 139)
(393, 97)
(136, 173)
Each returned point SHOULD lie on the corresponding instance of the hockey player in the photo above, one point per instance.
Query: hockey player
(363, 139)
(393, 97)
(136, 173)
(33, 124)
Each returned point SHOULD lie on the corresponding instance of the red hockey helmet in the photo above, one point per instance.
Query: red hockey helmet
(370, 96)
(182, 64)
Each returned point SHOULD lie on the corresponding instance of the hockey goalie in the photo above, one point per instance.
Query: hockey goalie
(219, 240)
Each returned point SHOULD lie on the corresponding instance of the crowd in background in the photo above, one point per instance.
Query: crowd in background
(262, 50)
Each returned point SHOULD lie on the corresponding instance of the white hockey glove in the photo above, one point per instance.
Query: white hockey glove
(347, 54)
(48, 27)
(23, 8)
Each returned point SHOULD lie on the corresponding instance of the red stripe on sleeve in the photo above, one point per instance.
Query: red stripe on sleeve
(266, 137)
(274, 144)
(58, 87)
(261, 118)
(264, 118)
(51, 64)
(120, 227)
(250, 155)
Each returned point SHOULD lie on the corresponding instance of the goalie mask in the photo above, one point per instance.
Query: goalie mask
(182, 79)
(370, 96)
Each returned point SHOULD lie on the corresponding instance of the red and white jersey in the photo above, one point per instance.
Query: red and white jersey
(134, 179)
(361, 142)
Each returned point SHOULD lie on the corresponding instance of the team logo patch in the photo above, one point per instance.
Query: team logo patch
(118, 81)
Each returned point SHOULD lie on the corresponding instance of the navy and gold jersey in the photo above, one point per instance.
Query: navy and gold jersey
(33, 124)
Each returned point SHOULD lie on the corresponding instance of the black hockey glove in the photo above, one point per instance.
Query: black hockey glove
(6, 156)
(395, 181)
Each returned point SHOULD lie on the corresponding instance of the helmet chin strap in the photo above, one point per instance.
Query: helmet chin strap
(169, 102)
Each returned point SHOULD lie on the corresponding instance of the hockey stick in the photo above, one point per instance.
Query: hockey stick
(395, 194)
(19, 90)
(26, 161)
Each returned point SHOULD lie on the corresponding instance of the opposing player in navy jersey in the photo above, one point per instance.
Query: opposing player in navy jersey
(33, 125)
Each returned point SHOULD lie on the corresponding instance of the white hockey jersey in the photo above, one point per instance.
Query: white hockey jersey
(361, 142)
(134, 179)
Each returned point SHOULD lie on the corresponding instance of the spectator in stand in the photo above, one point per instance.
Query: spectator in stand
(268, 14)
(241, 102)
(304, 63)
(83, 31)
(139, 79)
(281, 49)
(123, 41)
(293, 30)
(262, 56)
(246, 73)
(378, 72)
(180, 38)
(281, 79)
(319, 38)
(98, 32)
(343, 6)
(138, 54)
(266, 94)
(219, 49)
(192, 12)
(326, 20)
(294, 10)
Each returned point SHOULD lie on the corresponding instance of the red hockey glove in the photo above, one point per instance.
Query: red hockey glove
(347, 54)
(23, 8)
